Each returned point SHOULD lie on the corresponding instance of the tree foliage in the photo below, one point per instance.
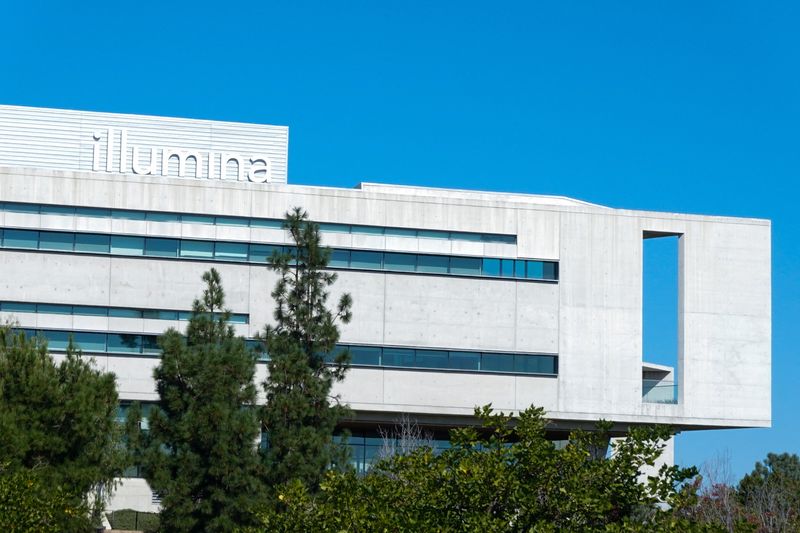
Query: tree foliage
(300, 414)
(59, 419)
(500, 478)
(199, 453)
(29, 502)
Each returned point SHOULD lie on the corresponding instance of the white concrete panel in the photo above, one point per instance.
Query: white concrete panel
(536, 391)
(44, 277)
(538, 235)
(423, 391)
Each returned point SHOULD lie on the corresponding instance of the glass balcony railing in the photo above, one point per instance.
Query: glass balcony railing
(657, 391)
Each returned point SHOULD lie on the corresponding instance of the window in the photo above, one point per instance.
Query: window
(92, 243)
(161, 247)
(364, 355)
(431, 234)
(400, 262)
(535, 270)
(20, 238)
(371, 260)
(128, 215)
(434, 264)
(57, 340)
(497, 362)
(550, 270)
(339, 259)
(507, 268)
(261, 253)
(127, 245)
(51, 240)
(398, 357)
(400, 232)
(153, 216)
(18, 307)
(266, 223)
(124, 343)
(491, 267)
(198, 219)
(334, 228)
(368, 230)
(57, 210)
(431, 359)
(54, 309)
(90, 342)
(519, 269)
(465, 360)
(467, 266)
(92, 212)
(231, 221)
(231, 251)
(121, 312)
(22, 208)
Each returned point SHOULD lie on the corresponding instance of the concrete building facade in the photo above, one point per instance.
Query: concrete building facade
(461, 298)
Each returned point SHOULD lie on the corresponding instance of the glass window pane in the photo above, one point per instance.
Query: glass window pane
(124, 312)
(261, 253)
(123, 214)
(238, 318)
(54, 309)
(465, 360)
(197, 219)
(491, 267)
(519, 268)
(123, 245)
(92, 243)
(184, 315)
(527, 364)
(334, 228)
(365, 355)
(88, 310)
(164, 315)
(466, 266)
(371, 260)
(339, 259)
(507, 268)
(368, 230)
(153, 216)
(400, 232)
(202, 249)
(18, 307)
(231, 251)
(431, 359)
(550, 270)
(20, 238)
(398, 357)
(51, 240)
(124, 342)
(161, 247)
(232, 221)
(497, 362)
(90, 342)
(463, 236)
(535, 270)
(436, 264)
(266, 223)
(15, 207)
(92, 212)
(401, 262)
(150, 344)
(56, 340)
(57, 210)
(431, 234)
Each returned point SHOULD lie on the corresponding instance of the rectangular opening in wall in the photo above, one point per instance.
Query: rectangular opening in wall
(660, 278)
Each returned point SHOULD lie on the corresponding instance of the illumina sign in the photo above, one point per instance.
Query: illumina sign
(143, 145)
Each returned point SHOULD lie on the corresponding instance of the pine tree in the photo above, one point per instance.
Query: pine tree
(200, 452)
(300, 414)
(58, 419)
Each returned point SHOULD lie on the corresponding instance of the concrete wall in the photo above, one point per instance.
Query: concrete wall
(591, 318)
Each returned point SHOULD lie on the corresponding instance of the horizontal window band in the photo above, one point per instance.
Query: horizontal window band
(270, 223)
(102, 311)
(203, 250)
(387, 357)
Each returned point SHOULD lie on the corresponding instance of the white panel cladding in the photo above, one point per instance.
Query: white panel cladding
(79, 140)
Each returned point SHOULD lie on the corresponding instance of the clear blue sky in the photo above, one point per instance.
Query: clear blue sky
(674, 106)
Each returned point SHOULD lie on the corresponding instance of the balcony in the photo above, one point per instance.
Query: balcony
(659, 391)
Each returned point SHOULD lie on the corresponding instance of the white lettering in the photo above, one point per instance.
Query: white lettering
(96, 151)
(137, 168)
(223, 166)
(123, 151)
(257, 173)
(183, 156)
(256, 169)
